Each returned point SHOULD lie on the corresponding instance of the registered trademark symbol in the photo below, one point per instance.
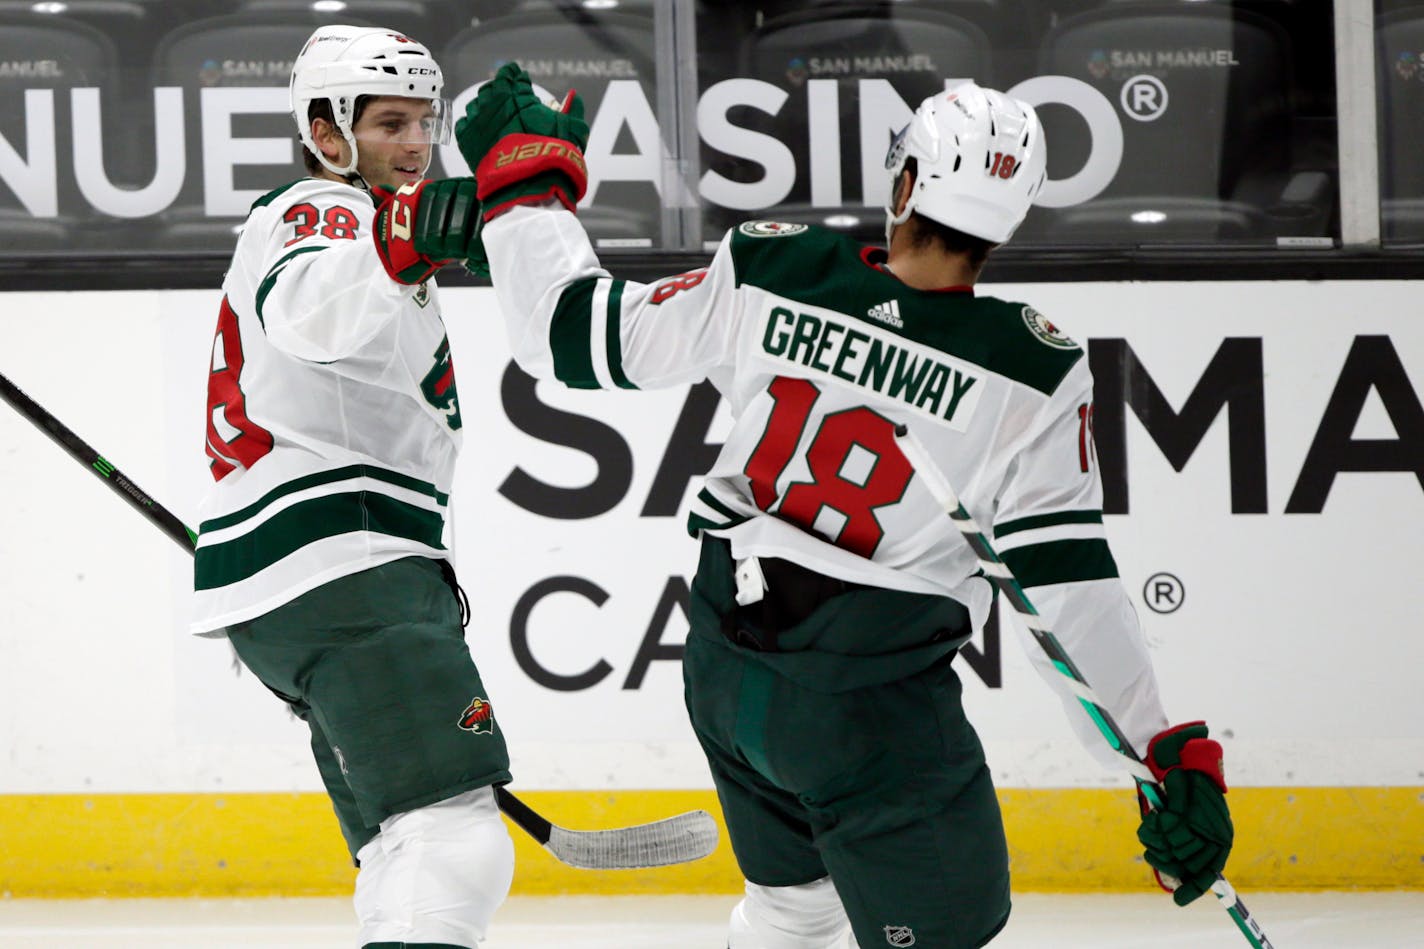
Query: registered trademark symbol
(1144, 98)
(1163, 593)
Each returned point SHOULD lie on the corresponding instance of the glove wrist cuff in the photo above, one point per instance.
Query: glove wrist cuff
(1205, 755)
(530, 192)
(1186, 747)
(393, 234)
(520, 156)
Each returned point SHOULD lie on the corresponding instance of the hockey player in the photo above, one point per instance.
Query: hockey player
(831, 593)
(333, 426)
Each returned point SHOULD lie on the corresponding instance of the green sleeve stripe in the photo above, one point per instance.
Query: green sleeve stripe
(272, 195)
(569, 335)
(707, 498)
(320, 478)
(1047, 520)
(1061, 561)
(698, 522)
(614, 334)
(270, 281)
(307, 522)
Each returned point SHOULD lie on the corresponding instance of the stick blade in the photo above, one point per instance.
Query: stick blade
(679, 839)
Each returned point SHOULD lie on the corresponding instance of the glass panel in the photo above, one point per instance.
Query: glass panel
(604, 51)
(150, 126)
(1177, 122)
(1399, 33)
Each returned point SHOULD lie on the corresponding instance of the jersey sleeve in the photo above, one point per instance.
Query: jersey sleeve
(321, 291)
(1048, 529)
(568, 319)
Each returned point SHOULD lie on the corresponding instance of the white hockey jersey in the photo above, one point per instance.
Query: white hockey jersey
(820, 352)
(333, 422)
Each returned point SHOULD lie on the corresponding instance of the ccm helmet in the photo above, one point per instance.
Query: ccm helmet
(980, 161)
(340, 63)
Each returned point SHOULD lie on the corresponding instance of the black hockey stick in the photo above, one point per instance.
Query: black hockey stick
(679, 839)
(1004, 580)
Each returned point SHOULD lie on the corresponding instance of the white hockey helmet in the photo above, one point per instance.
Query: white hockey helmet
(341, 63)
(980, 161)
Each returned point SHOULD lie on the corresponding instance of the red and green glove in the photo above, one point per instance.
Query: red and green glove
(1188, 839)
(425, 225)
(521, 150)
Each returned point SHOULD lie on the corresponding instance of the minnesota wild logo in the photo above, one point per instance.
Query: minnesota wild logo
(438, 385)
(1044, 331)
(478, 717)
(770, 229)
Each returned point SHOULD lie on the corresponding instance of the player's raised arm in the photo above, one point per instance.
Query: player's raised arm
(567, 318)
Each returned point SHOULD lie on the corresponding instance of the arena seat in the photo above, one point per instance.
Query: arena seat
(1400, 36)
(246, 51)
(566, 46)
(416, 19)
(48, 54)
(1203, 94)
(912, 50)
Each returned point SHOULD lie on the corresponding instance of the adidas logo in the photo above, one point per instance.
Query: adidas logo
(887, 313)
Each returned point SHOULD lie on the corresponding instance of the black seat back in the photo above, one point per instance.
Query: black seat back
(1202, 92)
(565, 47)
(46, 57)
(1400, 37)
(883, 59)
(243, 61)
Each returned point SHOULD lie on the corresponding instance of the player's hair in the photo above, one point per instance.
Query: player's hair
(925, 231)
(321, 109)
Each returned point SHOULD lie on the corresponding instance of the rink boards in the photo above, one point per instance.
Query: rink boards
(1060, 840)
(1261, 444)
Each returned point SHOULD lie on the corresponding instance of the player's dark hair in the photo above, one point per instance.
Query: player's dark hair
(321, 109)
(922, 231)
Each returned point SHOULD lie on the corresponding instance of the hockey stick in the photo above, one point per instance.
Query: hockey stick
(679, 839)
(1003, 578)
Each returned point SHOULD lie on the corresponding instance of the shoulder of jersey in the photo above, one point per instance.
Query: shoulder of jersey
(1039, 353)
(304, 189)
(776, 250)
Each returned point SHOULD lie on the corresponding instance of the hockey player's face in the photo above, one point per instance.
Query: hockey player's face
(394, 137)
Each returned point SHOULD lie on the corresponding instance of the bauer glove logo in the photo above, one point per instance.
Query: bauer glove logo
(541, 149)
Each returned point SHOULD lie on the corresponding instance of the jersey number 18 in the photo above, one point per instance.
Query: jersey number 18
(877, 478)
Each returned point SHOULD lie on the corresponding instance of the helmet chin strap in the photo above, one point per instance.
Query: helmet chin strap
(893, 220)
(349, 173)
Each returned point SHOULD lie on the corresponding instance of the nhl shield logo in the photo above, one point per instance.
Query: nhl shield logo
(478, 717)
(899, 936)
